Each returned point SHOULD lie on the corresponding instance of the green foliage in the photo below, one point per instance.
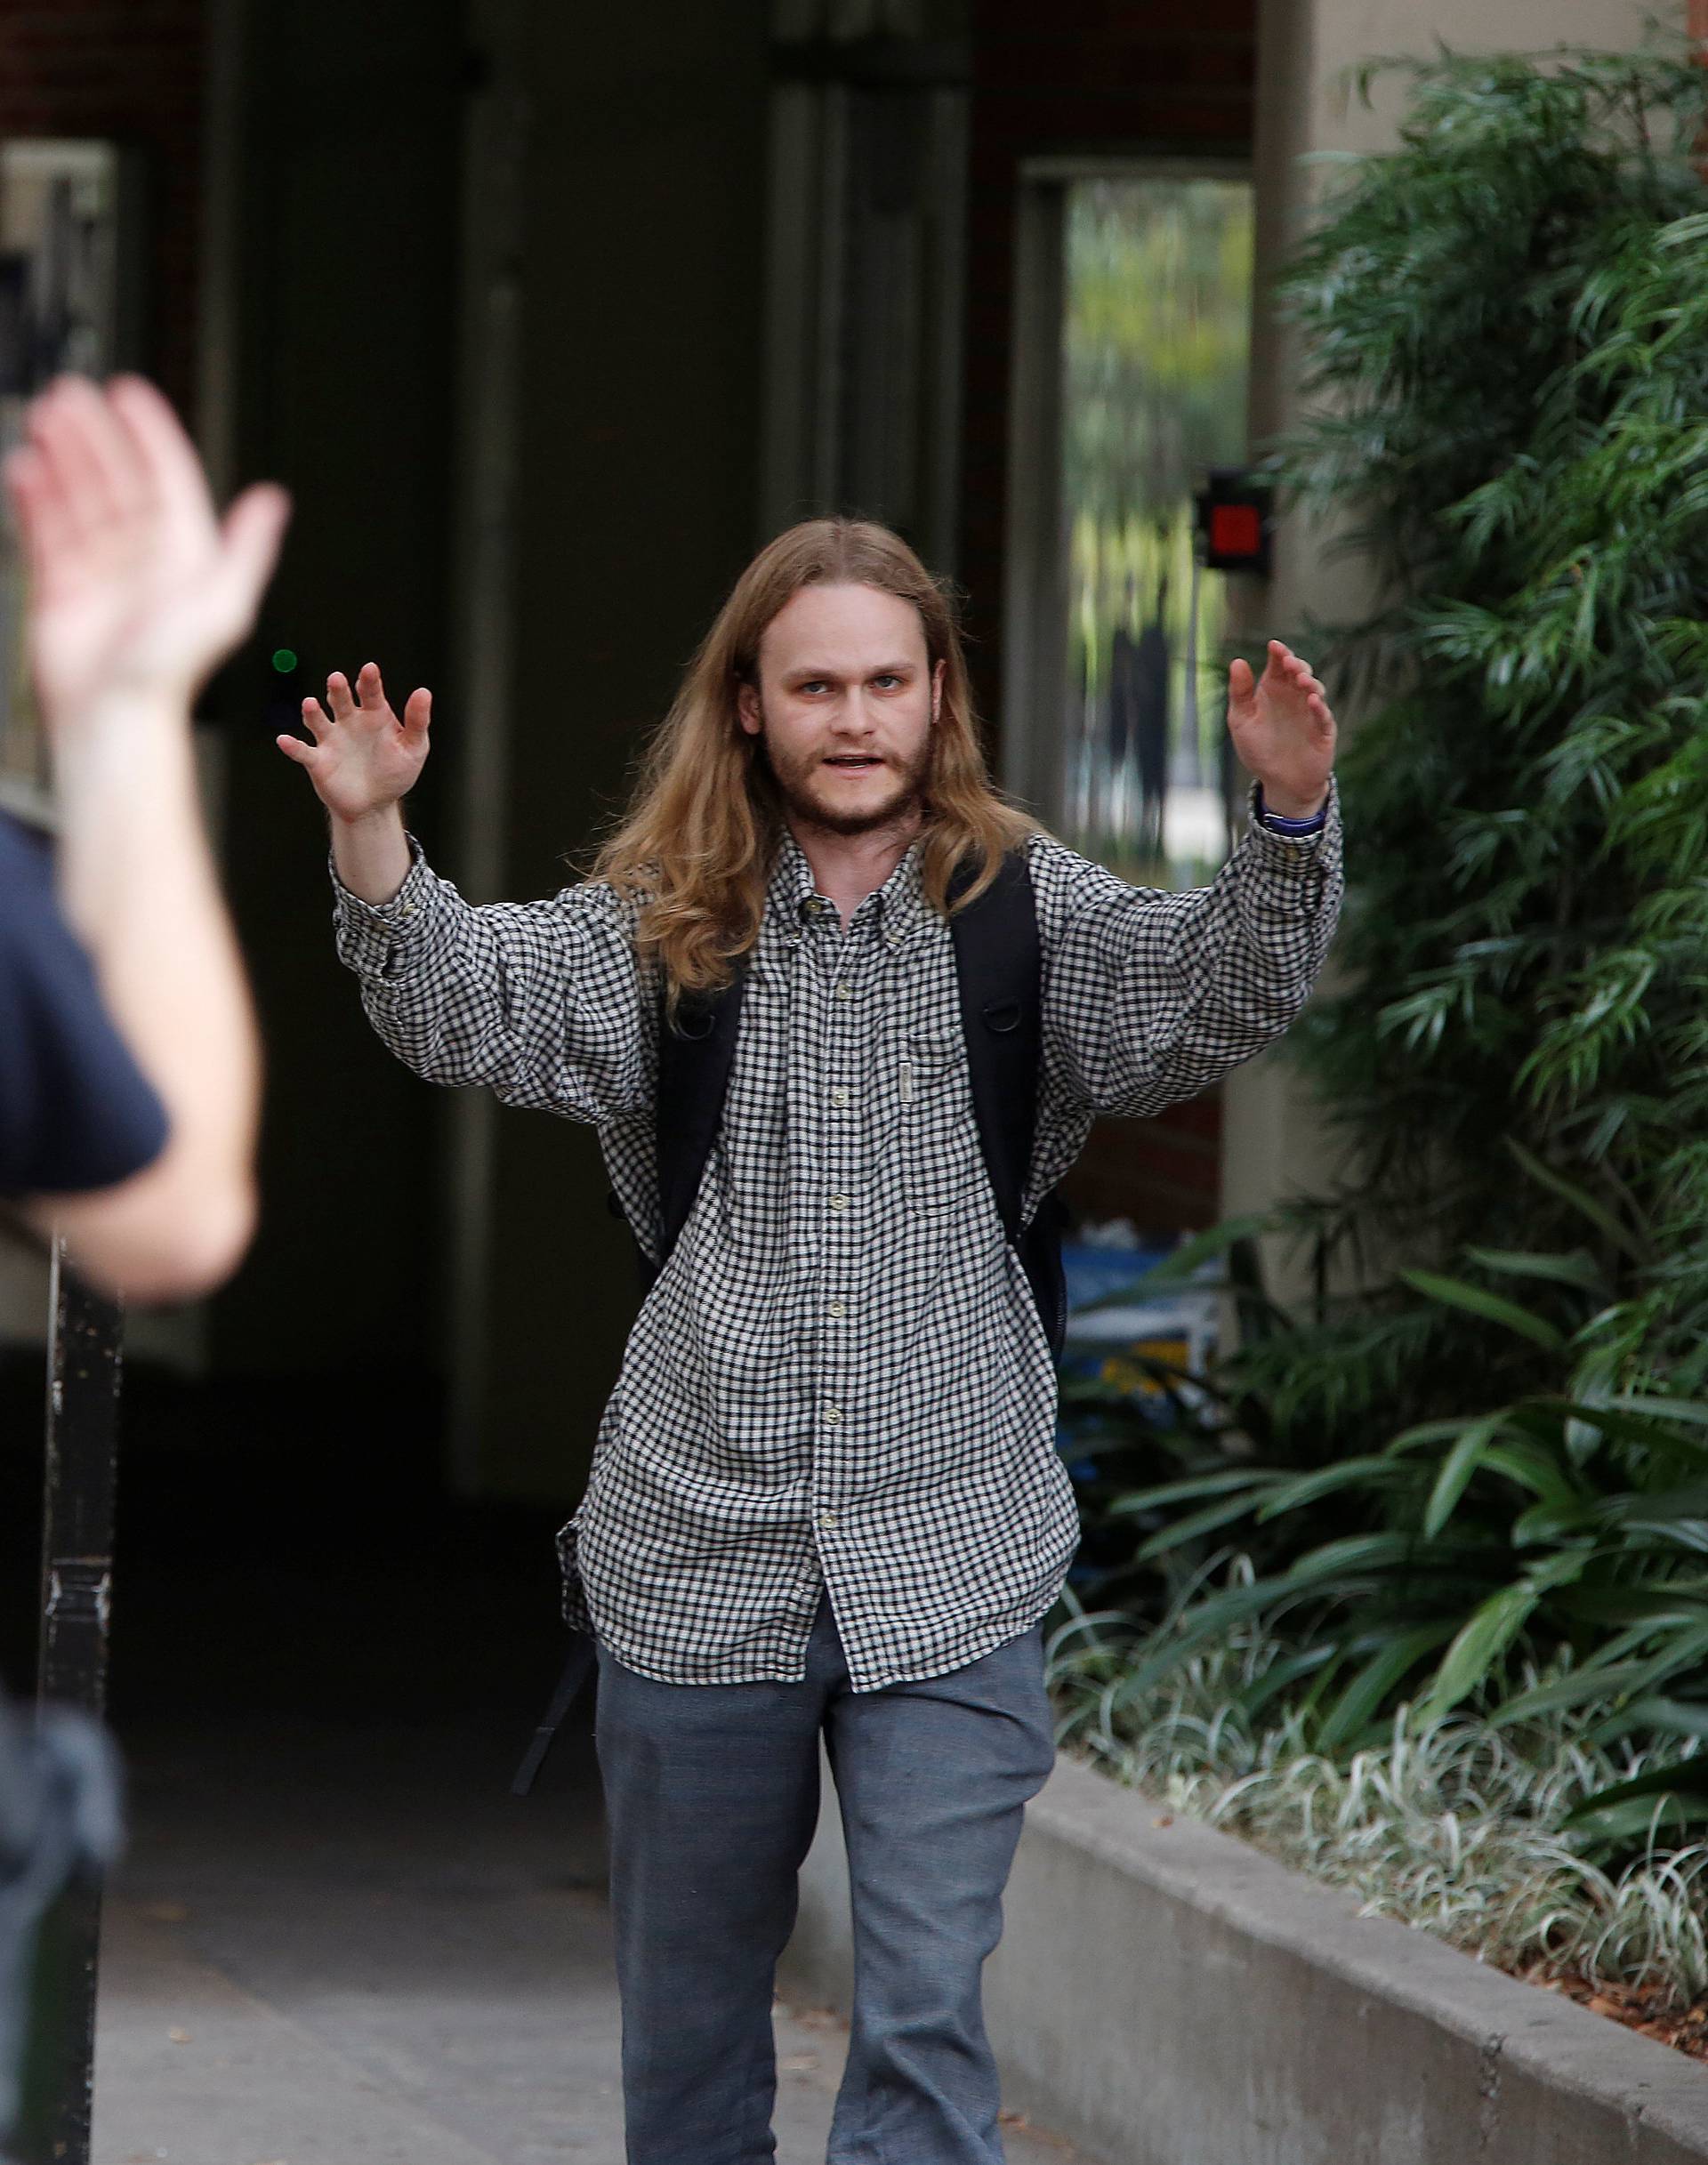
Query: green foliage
(1467, 1828)
(1506, 329)
(1506, 323)
(1569, 1524)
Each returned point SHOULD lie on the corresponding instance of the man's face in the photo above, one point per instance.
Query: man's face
(844, 703)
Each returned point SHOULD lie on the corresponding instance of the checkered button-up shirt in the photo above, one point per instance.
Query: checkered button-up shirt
(839, 1380)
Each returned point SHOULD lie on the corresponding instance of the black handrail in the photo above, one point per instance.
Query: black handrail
(83, 1373)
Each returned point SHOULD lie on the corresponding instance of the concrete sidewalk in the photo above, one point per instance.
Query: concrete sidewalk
(338, 1944)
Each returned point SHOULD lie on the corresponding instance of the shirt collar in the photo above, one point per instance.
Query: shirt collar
(897, 904)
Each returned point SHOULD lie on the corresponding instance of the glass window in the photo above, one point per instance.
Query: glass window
(1156, 293)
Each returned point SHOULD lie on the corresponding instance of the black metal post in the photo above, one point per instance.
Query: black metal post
(83, 1374)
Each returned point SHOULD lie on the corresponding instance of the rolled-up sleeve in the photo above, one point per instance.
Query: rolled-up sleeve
(1149, 996)
(540, 1002)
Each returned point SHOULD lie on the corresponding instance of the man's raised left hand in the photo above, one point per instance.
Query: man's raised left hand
(1283, 730)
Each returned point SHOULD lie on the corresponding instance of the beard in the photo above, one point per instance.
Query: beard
(809, 802)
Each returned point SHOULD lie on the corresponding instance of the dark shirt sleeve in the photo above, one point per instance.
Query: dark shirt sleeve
(75, 1111)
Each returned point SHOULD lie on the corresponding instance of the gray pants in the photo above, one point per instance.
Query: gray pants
(711, 1798)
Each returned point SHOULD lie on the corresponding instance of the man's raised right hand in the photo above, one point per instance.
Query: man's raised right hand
(363, 759)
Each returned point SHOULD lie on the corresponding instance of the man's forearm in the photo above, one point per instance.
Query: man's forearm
(371, 855)
(139, 886)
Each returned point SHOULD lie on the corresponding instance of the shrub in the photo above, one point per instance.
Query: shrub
(1494, 1450)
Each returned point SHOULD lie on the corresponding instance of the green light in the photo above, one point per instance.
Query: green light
(284, 660)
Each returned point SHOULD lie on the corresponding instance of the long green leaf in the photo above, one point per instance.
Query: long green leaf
(1457, 1469)
(1687, 1783)
(1188, 1490)
(1279, 1675)
(1691, 1411)
(1553, 1521)
(1429, 1432)
(1639, 1819)
(1289, 1494)
(1196, 1524)
(1477, 1300)
(1529, 1468)
(1639, 1604)
(1201, 1247)
(1362, 1698)
(1207, 1620)
(1634, 1420)
(1477, 1647)
(1570, 1269)
(1580, 1687)
(1565, 1567)
(1353, 1558)
(1648, 1717)
(1659, 1507)
(1590, 1206)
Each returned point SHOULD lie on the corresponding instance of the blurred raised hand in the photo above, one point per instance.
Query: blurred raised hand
(138, 589)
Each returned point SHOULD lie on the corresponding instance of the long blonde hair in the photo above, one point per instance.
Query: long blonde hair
(698, 842)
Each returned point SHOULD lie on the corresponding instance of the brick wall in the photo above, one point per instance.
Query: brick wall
(1087, 77)
(129, 70)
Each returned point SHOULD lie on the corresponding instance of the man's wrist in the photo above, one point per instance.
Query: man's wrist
(126, 791)
(1295, 811)
(114, 733)
(378, 819)
(130, 818)
(371, 856)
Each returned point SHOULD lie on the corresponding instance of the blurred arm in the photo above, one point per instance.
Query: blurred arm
(137, 592)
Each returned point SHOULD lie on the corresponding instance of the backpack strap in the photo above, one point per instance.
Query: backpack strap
(695, 1056)
(999, 971)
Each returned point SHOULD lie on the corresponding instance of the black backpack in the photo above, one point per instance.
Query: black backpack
(999, 972)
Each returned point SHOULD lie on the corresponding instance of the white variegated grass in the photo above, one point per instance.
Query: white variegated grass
(1454, 1827)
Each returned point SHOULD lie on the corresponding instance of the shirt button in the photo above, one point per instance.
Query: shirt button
(827, 1521)
(409, 910)
(839, 1309)
(843, 993)
(833, 1415)
(839, 1203)
(839, 1097)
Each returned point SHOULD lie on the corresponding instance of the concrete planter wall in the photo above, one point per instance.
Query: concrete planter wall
(1165, 1995)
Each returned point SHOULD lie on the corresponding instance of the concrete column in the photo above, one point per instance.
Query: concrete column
(1275, 1141)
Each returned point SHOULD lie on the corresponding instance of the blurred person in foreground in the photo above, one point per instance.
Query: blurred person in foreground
(129, 1058)
(136, 594)
(826, 1498)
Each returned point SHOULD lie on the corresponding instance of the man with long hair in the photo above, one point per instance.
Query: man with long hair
(826, 1498)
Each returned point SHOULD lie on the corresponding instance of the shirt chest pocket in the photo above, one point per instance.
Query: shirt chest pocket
(935, 1138)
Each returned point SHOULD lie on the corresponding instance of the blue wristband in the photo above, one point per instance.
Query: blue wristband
(1277, 822)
